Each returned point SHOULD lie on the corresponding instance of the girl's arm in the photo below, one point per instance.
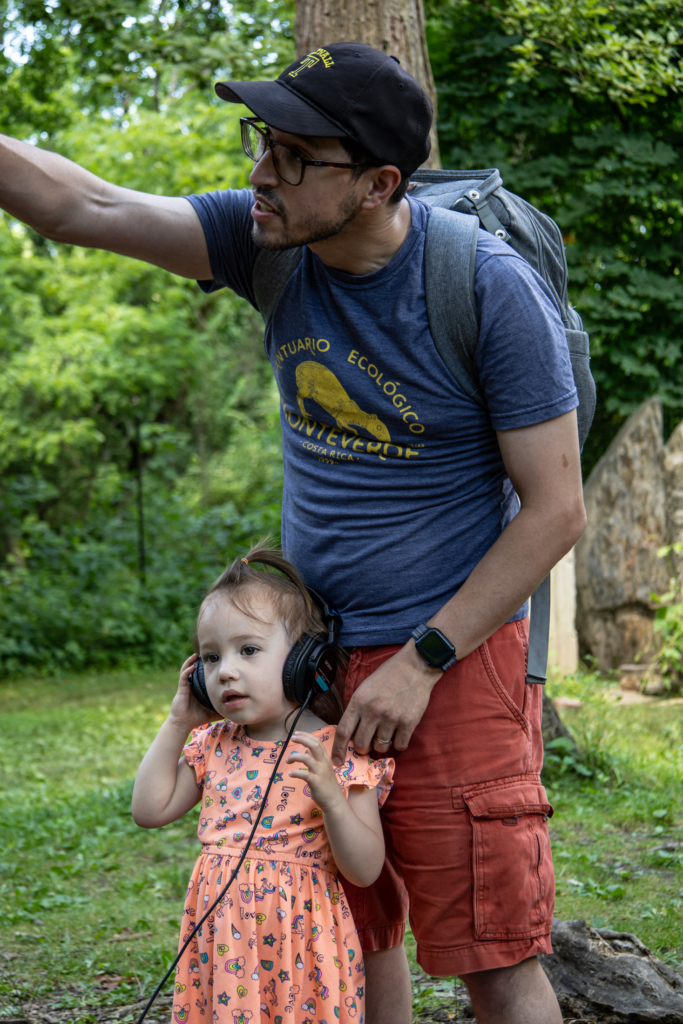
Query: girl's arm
(166, 788)
(353, 826)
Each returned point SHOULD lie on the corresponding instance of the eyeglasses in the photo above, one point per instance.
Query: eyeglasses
(288, 165)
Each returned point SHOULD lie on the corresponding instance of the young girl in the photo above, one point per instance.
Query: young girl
(281, 945)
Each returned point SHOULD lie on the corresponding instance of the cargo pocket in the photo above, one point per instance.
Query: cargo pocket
(513, 881)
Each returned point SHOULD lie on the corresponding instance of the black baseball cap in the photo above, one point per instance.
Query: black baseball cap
(346, 89)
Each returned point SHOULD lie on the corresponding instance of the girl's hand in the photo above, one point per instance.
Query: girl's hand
(185, 710)
(319, 771)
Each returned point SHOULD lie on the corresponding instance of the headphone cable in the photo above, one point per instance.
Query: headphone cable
(239, 863)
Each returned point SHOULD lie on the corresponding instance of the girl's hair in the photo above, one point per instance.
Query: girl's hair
(280, 583)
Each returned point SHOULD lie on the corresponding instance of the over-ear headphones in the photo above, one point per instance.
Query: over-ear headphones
(312, 662)
(310, 665)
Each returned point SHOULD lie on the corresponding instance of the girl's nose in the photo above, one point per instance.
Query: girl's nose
(227, 669)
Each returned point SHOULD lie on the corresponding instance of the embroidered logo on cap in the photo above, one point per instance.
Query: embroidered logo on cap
(311, 59)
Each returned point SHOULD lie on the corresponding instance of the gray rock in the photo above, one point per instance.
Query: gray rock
(672, 464)
(611, 977)
(617, 567)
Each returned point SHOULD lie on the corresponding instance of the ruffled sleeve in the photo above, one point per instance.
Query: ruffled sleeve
(195, 750)
(361, 770)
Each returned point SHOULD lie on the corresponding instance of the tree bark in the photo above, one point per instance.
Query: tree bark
(396, 27)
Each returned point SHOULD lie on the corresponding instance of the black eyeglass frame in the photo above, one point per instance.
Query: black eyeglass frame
(250, 122)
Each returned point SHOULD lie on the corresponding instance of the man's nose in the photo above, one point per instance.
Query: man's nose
(264, 173)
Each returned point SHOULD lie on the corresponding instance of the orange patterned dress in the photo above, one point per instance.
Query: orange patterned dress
(281, 946)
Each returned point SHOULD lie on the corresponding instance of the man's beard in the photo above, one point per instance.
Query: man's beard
(312, 229)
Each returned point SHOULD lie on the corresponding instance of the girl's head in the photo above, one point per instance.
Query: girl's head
(247, 624)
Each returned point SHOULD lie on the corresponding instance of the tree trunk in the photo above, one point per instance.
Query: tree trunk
(396, 27)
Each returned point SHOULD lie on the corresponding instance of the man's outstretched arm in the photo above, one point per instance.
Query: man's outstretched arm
(66, 203)
(544, 466)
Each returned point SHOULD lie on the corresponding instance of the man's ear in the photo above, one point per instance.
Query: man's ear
(382, 182)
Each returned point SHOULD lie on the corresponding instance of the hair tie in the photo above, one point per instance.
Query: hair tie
(246, 561)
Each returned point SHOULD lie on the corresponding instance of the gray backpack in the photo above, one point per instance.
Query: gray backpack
(460, 201)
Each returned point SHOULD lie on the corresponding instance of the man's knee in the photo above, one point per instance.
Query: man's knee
(376, 958)
(520, 994)
(505, 980)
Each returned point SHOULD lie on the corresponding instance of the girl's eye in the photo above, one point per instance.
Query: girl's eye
(248, 650)
(211, 657)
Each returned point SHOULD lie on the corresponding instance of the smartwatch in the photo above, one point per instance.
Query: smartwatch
(436, 650)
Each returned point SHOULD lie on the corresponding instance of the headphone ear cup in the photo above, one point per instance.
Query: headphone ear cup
(294, 680)
(310, 665)
(198, 686)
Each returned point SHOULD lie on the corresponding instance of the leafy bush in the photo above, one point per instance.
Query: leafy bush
(80, 601)
(523, 87)
(91, 342)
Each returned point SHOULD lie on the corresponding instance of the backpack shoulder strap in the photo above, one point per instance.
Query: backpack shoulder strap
(539, 633)
(450, 254)
(272, 269)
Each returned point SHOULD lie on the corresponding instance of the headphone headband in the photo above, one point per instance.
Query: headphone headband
(333, 619)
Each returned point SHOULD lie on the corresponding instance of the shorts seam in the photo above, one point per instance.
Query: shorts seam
(522, 633)
(484, 943)
(506, 780)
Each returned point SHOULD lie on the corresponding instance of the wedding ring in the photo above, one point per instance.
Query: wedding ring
(384, 743)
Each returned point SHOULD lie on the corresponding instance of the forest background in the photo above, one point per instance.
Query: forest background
(577, 103)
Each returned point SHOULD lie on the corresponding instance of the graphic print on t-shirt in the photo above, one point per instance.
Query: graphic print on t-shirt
(313, 380)
(333, 425)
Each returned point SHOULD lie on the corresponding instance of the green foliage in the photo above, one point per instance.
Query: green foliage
(139, 52)
(561, 756)
(668, 624)
(608, 171)
(90, 341)
(629, 50)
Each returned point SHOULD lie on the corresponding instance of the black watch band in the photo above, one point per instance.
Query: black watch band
(434, 647)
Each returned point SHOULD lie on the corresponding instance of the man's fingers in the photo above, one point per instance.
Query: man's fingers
(345, 731)
(368, 729)
(384, 739)
(402, 737)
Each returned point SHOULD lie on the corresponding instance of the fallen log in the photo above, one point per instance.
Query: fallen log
(611, 977)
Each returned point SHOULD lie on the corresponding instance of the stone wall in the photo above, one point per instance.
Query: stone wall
(634, 502)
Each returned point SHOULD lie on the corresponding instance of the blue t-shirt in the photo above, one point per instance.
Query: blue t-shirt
(394, 483)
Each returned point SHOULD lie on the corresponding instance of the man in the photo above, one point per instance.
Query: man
(400, 499)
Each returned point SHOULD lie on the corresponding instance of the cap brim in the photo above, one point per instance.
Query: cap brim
(279, 107)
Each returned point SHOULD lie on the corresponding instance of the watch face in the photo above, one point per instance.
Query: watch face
(435, 648)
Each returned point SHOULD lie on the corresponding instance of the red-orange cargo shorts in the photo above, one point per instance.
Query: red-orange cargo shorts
(466, 824)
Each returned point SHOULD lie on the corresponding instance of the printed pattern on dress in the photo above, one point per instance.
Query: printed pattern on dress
(281, 944)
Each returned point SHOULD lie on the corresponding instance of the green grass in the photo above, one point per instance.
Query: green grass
(615, 832)
(75, 871)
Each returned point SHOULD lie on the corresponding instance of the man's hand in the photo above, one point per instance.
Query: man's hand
(388, 705)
